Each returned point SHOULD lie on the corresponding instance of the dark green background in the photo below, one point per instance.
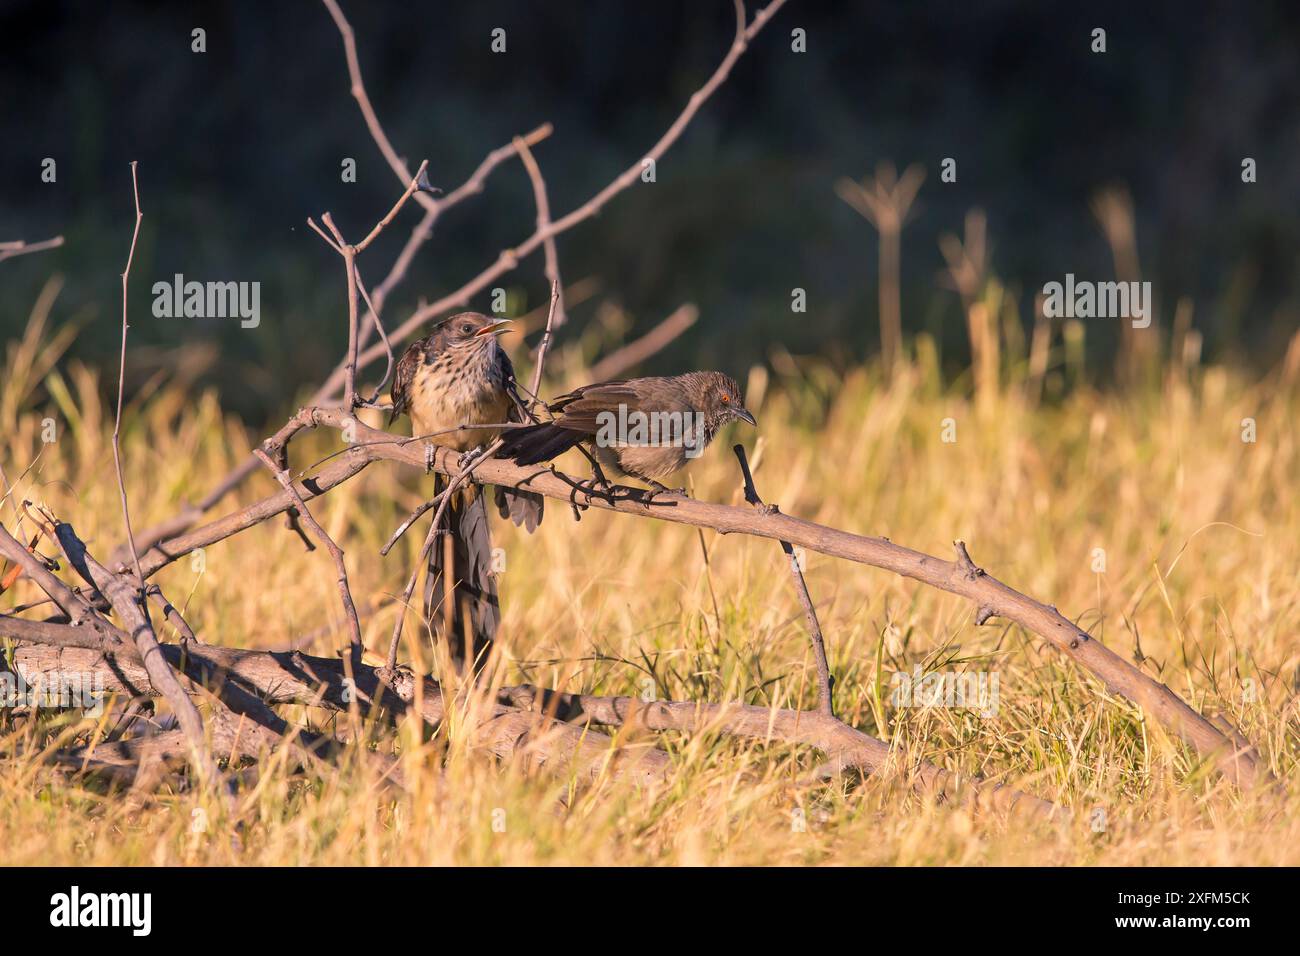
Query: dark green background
(239, 145)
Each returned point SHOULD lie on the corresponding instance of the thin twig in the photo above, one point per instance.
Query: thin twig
(121, 379)
(825, 683)
(546, 341)
(345, 591)
(9, 250)
(552, 256)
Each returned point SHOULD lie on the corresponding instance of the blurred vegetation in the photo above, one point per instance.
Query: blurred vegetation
(1199, 534)
(237, 146)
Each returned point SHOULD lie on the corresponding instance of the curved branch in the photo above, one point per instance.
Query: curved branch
(962, 577)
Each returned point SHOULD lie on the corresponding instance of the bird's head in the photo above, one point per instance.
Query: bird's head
(720, 400)
(469, 331)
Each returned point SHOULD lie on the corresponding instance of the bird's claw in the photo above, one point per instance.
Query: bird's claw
(656, 489)
(467, 458)
(597, 484)
(430, 454)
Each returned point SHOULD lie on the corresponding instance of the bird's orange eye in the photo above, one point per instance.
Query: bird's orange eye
(726, 399)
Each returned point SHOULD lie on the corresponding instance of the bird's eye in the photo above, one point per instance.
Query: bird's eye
(467, 328)
(726, 399)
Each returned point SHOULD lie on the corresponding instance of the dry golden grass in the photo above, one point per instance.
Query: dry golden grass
(1202, 545)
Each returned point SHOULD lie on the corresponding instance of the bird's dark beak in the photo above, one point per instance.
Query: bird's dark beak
(498, 326)
(744, 415)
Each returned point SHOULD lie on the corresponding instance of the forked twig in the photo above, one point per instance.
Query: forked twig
(345, 591)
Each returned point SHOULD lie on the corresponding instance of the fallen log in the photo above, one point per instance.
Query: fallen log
(515, 728)
(50, 651)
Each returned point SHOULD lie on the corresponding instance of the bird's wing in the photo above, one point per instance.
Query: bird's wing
(579, 410)
(403, 376)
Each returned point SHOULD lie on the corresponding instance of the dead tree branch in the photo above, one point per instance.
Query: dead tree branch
(841, 743)
(1119, 676)
(551, 255)
(49, 649)
(421, 234)
(961, 577)
(126, 601)
(637, 351)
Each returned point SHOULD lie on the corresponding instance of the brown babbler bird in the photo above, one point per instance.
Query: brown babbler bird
(460, 375)
(645, 428)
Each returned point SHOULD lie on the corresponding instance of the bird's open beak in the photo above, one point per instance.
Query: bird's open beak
(744, 415)
(498, 326)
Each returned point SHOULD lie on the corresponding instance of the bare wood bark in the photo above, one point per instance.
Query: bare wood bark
(551, 316)
(551, 256)
(70, 602)
(510, 258)
(337, 471)
(349, 253)
(522, 727)
(63, 652)
(423, 231)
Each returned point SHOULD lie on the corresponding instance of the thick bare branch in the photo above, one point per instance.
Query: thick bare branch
(1119, 676)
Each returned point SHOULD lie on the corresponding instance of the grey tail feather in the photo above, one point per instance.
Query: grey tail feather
(537, 443)
(474, 589)
(524, 508)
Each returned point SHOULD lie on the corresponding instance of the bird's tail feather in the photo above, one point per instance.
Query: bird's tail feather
(475, 607)
(524, 508)
(537, 443)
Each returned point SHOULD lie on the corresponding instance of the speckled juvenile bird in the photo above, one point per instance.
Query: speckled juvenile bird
(616, 422)
(459, 375)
